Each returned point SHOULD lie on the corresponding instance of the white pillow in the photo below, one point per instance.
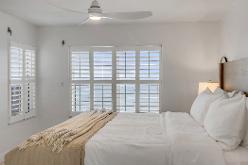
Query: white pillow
(245, 141)
(233, 93)
(218, 91)
(229, 94)
(225, 121)
(201, 104)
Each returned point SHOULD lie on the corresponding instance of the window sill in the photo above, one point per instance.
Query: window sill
(14, 120)
(73, 114)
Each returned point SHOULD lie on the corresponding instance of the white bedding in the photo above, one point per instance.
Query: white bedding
(152, 139)
(237, 157)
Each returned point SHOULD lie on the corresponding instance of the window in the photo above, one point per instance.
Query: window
(103, 96)
(149, 65)
(80, 65)
(125, 97)
(81, 97)
(22, 88)
(149, 97)
(126, 66)
(102, 65)
(123, 79)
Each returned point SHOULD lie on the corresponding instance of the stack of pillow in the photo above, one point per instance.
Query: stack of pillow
(224, 116)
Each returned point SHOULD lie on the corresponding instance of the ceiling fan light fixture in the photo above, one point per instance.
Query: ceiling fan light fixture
(95, 18)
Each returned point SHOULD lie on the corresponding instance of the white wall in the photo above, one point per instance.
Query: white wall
(11, 135)
(235, 31)
(191, 53)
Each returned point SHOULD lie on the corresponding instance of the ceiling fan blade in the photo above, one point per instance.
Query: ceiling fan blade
(128, 15)
(66, 9)
(85, 21)
(106, 18)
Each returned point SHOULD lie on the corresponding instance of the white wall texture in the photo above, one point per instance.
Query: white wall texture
(235, 31)
(11, 135)
(191, 52)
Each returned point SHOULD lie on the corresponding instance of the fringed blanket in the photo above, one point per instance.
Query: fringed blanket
(62, 144)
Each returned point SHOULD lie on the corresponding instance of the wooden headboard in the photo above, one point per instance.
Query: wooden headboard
(234, 75)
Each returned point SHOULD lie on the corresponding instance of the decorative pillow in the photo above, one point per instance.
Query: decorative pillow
(201, 104)
(225, 121)
(245, 141)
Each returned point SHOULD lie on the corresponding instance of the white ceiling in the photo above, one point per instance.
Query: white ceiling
(40, 13)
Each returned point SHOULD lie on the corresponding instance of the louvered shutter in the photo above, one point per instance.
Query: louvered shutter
(80, 66)
(16, 81)
(149, 64)
(125, 97)
(80, 97)
(30, 84)
(125, 79)
(22, 85)
(126, 65)
(80, 76)
(102, 65)
(149, 98)
(103, 96)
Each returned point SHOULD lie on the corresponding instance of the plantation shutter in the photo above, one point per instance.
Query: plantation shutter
(126, 66)
(22, 88)
(80, 66)
(149, 64)
(102, 65)
(16, 83)
(80, 75)
(30, 84)
(124, 79)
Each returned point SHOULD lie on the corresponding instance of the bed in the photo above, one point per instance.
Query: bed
(236, 157)
(165, 139)
(168, 138)
(145, 139)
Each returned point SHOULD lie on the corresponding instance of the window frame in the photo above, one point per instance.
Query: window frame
(26, 113)
(114, 80)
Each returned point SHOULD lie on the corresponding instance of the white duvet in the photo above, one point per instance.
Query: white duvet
(152, 139)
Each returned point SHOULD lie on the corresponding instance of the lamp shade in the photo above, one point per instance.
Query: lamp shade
(211, 85)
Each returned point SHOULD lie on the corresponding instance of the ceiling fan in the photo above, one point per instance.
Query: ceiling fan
(95, 13)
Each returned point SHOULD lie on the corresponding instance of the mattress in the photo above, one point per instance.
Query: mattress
(157, 139)
(237, 157)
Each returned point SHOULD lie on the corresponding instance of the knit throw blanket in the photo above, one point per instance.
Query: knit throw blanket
(59, 136)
